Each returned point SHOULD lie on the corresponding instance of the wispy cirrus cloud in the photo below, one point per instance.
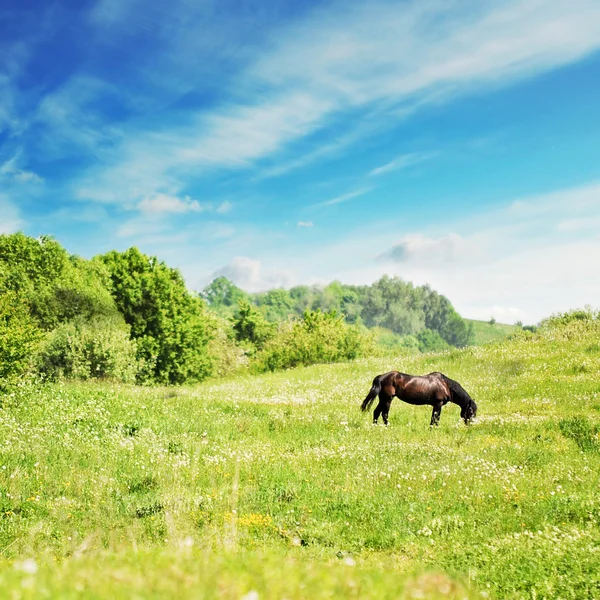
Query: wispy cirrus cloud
(11, 171)
(404, 161)
(384, 57)
(345, 197)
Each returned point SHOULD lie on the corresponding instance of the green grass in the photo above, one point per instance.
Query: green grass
(485, 332)
(278, 487)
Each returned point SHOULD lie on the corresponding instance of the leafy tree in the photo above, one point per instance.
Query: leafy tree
(170, 325)
(55, 286)
(251, 326)
(19, 339)
(431, 341)
(456, 332)
(276, 304)
(222, 292)
(390, 303)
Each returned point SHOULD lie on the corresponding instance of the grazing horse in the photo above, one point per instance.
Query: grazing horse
(434, 389)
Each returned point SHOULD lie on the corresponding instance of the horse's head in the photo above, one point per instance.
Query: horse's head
(469, 412)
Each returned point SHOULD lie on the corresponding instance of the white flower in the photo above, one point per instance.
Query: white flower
(27, 566)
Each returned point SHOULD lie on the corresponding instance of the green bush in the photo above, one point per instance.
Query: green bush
(317, 338)
(227, 356)
(571, 316)
(84, 350)
(431, 341)
(19, 340)
(388, 343)
(251, 327)
(170, 325)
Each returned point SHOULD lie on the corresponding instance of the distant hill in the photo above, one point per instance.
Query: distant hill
(485, 332)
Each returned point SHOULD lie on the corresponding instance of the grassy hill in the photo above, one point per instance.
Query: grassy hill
(486, 332)
(278, 487)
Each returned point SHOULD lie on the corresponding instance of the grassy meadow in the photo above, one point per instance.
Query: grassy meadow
(277, 486)
(485, 332)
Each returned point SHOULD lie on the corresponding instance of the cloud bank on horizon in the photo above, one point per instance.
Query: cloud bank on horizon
(454, 143)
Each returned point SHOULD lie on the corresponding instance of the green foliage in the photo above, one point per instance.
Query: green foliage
(170, 325)
(276, 304)
(251, 327)
(431, 341)
(223, 296)
(19, 340)
(318, 338)
(226, 354)
(571, 316)
(390, 303)
(89, 349)
(388, 343)
(456, 331)
(55, 286)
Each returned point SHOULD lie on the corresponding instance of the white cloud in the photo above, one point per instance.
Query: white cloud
(419, 249)
(163, 203)
(11, 171)
(305, 224)
(10, 218)
(519, 262)
(404, 161)
(251, 276)
(381, 57)
(224, 208)
(345, 197)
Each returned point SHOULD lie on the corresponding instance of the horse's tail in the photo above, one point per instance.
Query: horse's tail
(458, 392)
(374, 391)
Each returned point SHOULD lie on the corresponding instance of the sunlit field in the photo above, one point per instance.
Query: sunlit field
(277, 486)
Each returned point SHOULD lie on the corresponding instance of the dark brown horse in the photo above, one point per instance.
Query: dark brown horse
(434, 389)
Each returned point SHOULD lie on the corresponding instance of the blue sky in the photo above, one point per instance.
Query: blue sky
(449, 142)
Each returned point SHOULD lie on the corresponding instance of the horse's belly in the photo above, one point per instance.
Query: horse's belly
(416, 399)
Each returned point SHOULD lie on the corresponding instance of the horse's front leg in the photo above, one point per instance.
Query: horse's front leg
(435, 414)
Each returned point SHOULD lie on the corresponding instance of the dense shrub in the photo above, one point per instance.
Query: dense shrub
(431, 341)
(226, 355)
(84, 350)
(389, 343)
(571, 316)
(317, 338)
(251, 327)
(19, 340)
(170, 325)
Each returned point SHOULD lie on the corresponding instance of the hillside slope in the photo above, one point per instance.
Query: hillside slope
(277, 486)
(485, 332)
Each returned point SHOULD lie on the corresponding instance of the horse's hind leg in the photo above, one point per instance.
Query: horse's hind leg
(386, 410)
(435, 414)
(377, 412)
(383, 408)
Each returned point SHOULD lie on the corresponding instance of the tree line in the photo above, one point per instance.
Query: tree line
(129, 317)
(399, 312)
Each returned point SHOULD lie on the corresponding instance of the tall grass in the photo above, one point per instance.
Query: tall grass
(277, 486)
